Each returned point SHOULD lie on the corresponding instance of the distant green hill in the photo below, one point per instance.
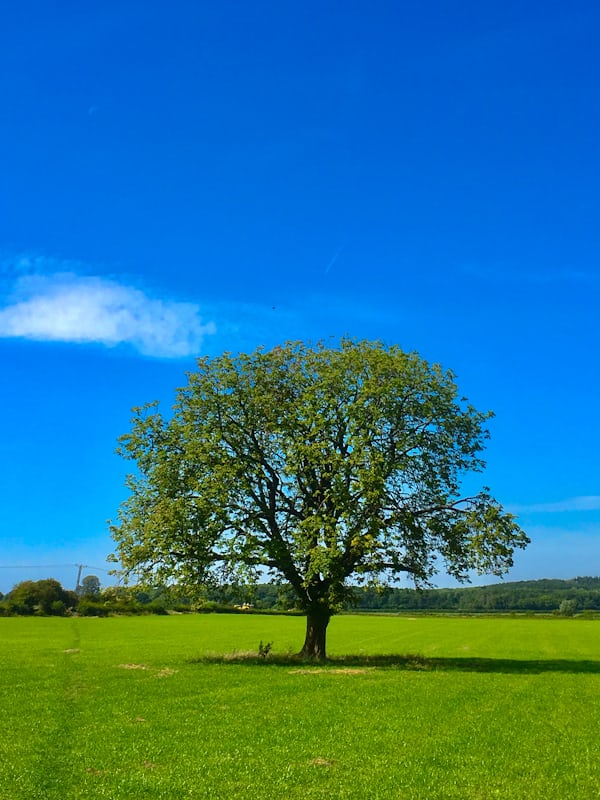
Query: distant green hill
(540, 595)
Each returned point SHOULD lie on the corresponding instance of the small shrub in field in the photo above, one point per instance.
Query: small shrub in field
(568, 608)
(158, 606)
(264, 649)
(211, 606)
(88, 608)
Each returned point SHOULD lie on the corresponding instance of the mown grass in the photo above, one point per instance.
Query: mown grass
(182, 707)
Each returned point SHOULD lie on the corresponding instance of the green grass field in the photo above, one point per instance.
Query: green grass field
(147, 708)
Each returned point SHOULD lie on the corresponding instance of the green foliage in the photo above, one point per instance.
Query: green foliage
(316, 465)
(48, 598)
(568, 608)
(90, 586)
(264, 649)
(58, 608)
(88, 607)
(538, 596)
(44, 597)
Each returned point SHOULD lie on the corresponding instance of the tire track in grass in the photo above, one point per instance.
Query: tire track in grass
(55, 765)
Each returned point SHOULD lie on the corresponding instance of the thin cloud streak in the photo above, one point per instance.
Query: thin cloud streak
(582, 503)
(334, 259)
(66, 307)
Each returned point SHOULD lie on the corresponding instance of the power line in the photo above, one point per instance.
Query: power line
(79, 567)
(49, 566)
(35, 566)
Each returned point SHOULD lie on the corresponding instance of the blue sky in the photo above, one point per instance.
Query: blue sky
(186, 178)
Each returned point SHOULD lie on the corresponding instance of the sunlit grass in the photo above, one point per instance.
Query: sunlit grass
(183, 707)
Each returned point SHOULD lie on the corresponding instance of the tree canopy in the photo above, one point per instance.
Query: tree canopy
(39, 597)
(89, 587)
(311, 464)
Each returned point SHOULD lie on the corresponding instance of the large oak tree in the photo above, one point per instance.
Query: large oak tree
(321, 466)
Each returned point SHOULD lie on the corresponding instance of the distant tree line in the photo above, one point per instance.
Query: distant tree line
(542, 596)
(519, 596)
(48, 598)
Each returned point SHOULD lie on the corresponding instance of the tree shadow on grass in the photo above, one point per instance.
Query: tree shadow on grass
(408, 662)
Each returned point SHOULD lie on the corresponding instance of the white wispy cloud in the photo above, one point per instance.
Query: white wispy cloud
(589, 502)
(69, 307)
(14, 266)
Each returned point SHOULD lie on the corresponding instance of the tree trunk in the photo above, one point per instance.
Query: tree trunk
(316, 631)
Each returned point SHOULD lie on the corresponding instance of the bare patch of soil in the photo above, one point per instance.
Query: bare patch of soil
(166, 672)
